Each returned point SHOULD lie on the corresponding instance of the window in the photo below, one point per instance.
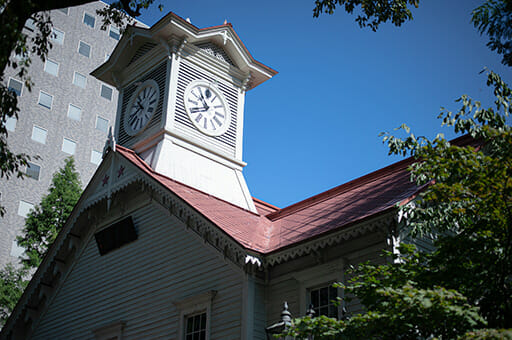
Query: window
(10, 124)
(51, 67)
(16, 251)
(96, 157)
(68, 146)
(16, 86)
(89, 20)
(45, 100)
(101, 124)
(84, 49)
(79, 80)
(106, 56)
(33, 171)
(113, 331)
(106, 92)
(57, 36)
(323, 299)
(195, 314)
(24, 208)
(64, 10)
(39, 134)
(74, 112)
(114, 32)
(30, 24)
(195, 327)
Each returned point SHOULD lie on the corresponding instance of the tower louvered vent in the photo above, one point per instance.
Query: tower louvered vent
(215, 51)
(141, 51)
(158, 74)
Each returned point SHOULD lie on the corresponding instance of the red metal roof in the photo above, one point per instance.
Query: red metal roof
(272, 229)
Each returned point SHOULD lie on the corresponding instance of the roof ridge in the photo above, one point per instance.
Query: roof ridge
(148, 168)
(318, 198)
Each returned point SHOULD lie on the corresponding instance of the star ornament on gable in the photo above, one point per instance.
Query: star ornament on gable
(105, 180)
(120, 172)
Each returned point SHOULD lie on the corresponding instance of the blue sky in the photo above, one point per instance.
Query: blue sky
(315, 125)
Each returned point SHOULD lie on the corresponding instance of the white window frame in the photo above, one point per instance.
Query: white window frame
(28, 211)
(10, 123)
(55, 40)
(112, 330)
(22, 86)
(32, 135)
(52, 61)
(39, 100)
(74, 77)
(118, 32)
(112, 92)
(192, 306)
(96, 123)
(72, 141)
(316, 277)
(90, 48)
(78, 107)
(38, 175)
(100, 155)
(92, 15)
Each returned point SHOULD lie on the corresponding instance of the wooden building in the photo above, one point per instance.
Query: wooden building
(166, 240)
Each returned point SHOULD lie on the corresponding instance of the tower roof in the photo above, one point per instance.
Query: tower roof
(174, 27)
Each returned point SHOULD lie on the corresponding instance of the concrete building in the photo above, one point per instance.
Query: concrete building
(68, 112)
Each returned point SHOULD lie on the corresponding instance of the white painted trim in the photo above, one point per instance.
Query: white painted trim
(192, 306)
(172, 83)
(110, 331)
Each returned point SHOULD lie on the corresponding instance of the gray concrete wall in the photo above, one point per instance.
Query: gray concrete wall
(55, 120)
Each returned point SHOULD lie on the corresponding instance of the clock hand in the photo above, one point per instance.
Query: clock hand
(198, 109)
(206, 107)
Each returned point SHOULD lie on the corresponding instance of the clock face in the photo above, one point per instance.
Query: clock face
(142, 107)
(207, 108)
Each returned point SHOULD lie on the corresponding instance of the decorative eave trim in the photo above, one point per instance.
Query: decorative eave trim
(380, 223)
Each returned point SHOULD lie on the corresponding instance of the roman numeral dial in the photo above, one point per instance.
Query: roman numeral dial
(207, 108)
(142, 107)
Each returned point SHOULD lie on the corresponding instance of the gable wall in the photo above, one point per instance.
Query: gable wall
(291, 281)
(139, 282)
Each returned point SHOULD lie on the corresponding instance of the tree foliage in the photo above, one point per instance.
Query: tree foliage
(463, 289)
(12, 286)
(17, 48)
(46, 220)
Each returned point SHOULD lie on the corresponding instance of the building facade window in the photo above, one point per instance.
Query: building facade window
(33, 171)
(106, 92)
(64, 10)
(74, 112)
(68, 146)
(16, 86)
(101, 124)
(30, 24)
(24, 208)
(107, 56)
(45, 100)
(323, 300)
(57, 36)
(96, 157)
(195, 314)
(79, 80)
(39, 134)
(84, 49)
(51, 67)
(195, 326)
(114, 32)
(89, 20)
(10, 124)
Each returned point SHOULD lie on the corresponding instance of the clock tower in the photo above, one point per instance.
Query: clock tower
(181, 102)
